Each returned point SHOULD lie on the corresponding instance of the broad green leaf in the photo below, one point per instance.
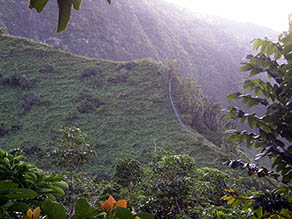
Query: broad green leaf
(230, 201)
(246, 67)
(282, 190)
(251, 122)
(257, 43)
(76, 4)
(244, 100)
(32, 176)
(51, 197)
(58, 190)
(54, 210)
(243, 120)
(64, 14)
(19, 207)
(255, 71)
(47, 190)
(20, 158)
(266, 129)
(251, 103)
(277, 55)
(259, 212)
(270, 49)
(61, 184)
(92, 212)
(288, 38)
(4, 185)
(265, 44)
(233, 96)
(246, 85)
(237, 202)
(81, 207)
(287, 48)
(22, 193)
(124, 213)
(257, 91)
(38, 4)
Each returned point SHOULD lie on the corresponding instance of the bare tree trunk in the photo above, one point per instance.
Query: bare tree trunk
(130, 196)
(73, 191)
(177, 205)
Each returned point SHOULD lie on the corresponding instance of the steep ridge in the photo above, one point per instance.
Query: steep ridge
(208, 50)
(124, 107)
(183, 126)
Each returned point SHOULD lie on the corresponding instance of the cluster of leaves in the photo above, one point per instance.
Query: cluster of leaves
(128, 172)
(23, 185)
(173, 187)
(64, 10)
(198, 111)
(275, 204)
(270, 132)
(72, 151)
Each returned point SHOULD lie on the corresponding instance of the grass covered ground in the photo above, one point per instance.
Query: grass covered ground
(123, 107)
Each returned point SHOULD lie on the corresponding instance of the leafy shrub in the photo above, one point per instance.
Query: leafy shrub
(197, 110)
(3, 129)
(17, 80)
(26, 102)
(88, 102)
(90, 72)
(271, 132)
(23, 185)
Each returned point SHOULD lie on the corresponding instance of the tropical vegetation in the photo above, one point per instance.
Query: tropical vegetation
(127, 156)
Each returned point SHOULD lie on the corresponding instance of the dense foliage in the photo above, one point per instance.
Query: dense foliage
(198, 111)
(271, 131)
(172, 185)
(23, 185)
(123, 107)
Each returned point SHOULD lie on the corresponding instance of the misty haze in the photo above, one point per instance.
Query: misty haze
(145, 109)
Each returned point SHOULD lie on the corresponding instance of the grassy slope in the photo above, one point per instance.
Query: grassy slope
(208, 50)
(136, 110)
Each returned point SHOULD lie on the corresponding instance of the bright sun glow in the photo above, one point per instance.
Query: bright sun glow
(269, 13)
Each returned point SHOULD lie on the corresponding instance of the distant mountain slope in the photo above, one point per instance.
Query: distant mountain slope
(208, 50)
(123, 107)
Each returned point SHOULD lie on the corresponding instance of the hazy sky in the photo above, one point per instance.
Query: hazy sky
(270, 13)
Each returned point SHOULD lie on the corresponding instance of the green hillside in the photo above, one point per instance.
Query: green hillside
(208, 50)
(124, 107)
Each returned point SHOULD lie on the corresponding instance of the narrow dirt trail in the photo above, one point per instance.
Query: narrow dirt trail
(176, 113)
